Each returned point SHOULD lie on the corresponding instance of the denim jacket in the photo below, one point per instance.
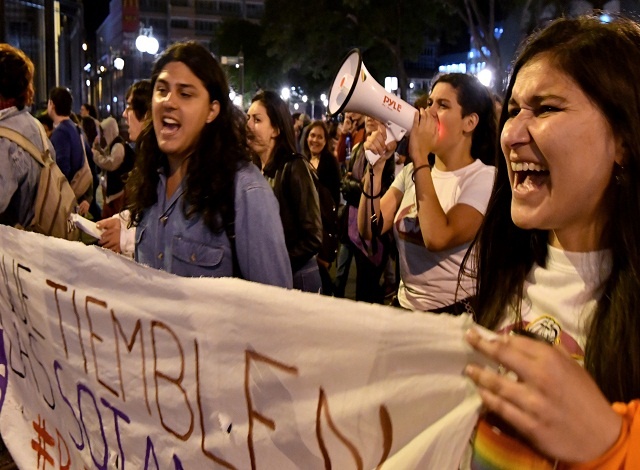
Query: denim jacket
(167, 240)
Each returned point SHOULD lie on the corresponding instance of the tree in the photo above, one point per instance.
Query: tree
(313, 37)
(235, 36)
(481, 16)
(480, 21)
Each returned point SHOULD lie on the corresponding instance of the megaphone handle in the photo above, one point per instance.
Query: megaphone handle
(372, 158)
(394, 132)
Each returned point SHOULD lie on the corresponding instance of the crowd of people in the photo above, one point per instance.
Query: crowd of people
(536, 237)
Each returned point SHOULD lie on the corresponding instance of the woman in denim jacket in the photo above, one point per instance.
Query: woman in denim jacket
(200, 207)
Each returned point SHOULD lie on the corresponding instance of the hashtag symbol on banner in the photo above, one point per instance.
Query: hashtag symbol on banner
(40, 446)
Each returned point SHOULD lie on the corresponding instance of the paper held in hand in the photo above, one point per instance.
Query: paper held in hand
(86, 225)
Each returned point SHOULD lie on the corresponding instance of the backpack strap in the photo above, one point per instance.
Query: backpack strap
(26, 144)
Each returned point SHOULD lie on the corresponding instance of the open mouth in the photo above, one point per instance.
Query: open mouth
(529, 176)
(170, 126)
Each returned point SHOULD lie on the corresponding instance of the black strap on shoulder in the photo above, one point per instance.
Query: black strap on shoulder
(230, 230)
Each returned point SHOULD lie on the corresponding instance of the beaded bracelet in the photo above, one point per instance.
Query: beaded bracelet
(415, 170)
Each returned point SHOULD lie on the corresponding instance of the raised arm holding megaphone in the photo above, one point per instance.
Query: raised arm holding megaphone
(434, 211)
(355, 90)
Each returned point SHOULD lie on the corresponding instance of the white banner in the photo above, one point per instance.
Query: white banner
(110, 364)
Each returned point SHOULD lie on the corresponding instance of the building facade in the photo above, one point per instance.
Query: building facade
(51, 33)
(167, 21)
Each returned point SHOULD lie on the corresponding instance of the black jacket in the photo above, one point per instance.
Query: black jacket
(291, 181)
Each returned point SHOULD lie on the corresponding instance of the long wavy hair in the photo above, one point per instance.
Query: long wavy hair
(280, 118)
(604, 61)
(306, 151)
(474, 97)
(219, 153)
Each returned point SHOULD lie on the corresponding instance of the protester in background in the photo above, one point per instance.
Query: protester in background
(352, 132)
(300, 123)
(199, 206)
(436, 211)
(90, 130)
(316, 149)
(88, 110)
(19, 172)
(557, 256)
(117, 235)
(332, 125)
(71, 148)
(136, 113)
(370, 263)
(270, 137)
(116, 159)
(46, 122)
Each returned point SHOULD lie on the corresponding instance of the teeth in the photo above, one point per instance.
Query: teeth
(527, 167)
(169, 121)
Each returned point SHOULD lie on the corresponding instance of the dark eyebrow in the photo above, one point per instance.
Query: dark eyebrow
(538, 99)
(181, 86)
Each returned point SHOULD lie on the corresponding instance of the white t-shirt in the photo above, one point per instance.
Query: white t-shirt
(560, 299)
(428, 279)
(558, 302)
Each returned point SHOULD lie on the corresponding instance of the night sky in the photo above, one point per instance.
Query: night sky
(95, 11)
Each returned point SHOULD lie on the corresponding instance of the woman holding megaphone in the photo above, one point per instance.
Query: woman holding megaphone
(435, 211)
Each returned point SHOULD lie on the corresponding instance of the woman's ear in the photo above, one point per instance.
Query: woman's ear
(621, 153)
(470, 121)
(214, 110)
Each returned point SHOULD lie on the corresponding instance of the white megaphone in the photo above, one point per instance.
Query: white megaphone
(355, 90)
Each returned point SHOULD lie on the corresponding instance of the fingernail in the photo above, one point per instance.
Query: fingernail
(470, 370)
(471, 336)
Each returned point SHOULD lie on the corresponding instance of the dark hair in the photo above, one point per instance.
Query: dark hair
(91, 109)
(220, 152)
(62, 100)
(90, 128)
(45, 120)
(280, 118)
(305, 145)
(474, 97)
(16, 76)
(583, 49)
(140, 94)
(421, 101)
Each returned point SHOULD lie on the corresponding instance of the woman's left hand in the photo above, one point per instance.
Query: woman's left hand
(424, 134)
(554, 402)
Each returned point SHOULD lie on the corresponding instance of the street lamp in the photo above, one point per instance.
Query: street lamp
(485, 76)
(238, 63)
(118, 63)
(145, 42)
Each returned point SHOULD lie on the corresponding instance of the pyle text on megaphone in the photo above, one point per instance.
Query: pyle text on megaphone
(355, 90)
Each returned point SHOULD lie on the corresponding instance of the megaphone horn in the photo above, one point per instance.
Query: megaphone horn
(355, 90)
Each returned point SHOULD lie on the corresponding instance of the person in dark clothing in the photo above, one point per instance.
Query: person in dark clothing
(270, 136)
(316, 149)
(68, 141)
